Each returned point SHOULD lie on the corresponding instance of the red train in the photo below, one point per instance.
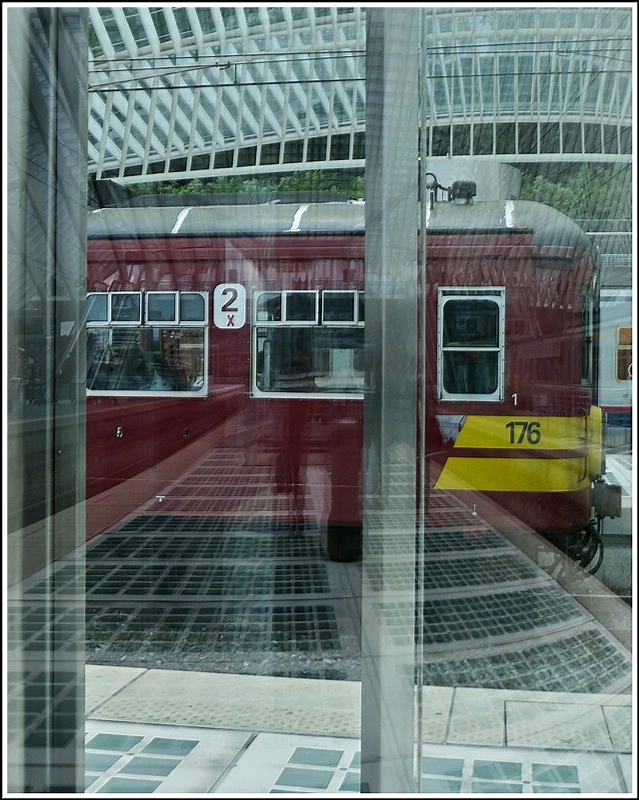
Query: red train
(245, 325)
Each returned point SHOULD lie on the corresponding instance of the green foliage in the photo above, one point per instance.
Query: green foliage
(592, 192)
(600, 192)
(318, 180)
(346, 184)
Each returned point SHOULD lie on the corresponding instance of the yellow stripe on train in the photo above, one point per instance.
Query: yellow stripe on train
(530, 433)
(513, 474)
(596, 452)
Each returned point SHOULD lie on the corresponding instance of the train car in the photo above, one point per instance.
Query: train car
(250, 321)
(614, 333)
(615, 359)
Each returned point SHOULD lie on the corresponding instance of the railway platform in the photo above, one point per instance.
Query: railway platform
(544, 706)
(159, 731)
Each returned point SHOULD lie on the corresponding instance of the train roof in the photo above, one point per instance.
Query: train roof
(548, 226)
(616, 258)
(268, 219)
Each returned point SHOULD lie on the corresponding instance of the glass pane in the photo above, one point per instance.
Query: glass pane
(125, 307)
(473, 323)
(470, 373)
(160, 307)
(43, 523)
(525, 483)
(133, 360)
(287, 354)
(301, 306)
(383, 554)
(97, 308)
(192, 307)
(310, 360)
(338, 306)
(269, 307)
(360, 315)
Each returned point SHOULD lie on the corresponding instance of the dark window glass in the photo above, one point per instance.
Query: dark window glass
(309, 360)
(97, 308)
(472, 323)
(125, 307)
(269, 307)
(161, 307)
(192, 307)
(301, 306)
(470, 372)
(338, 307)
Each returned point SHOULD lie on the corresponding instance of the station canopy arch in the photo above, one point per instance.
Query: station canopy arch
(204, 91)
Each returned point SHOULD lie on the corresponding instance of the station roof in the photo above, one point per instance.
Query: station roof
(197, 91)
(182, 92)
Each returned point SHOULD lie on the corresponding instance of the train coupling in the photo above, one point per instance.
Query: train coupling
(606, 498)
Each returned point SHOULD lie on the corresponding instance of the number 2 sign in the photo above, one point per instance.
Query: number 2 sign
(229, 306)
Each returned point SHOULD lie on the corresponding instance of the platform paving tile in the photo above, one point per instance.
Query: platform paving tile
(136, 758)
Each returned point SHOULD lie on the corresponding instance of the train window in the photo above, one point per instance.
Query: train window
(97, 308)
(471, 344)
(192, 307)
(161, 307)
(180, 307)
(268, 307)
(294, 353)
(126, 307)
(473, 323)
(137, 360)
(300, 307)
(166, 352)
(339, 306)
(624, 354)
(339, 359)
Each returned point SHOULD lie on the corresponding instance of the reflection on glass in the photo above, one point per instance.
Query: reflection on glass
(471, 323)
(470, 373)
(256, 452)
(126, 307)
(309, 360)
(43, 526)
(154, 359)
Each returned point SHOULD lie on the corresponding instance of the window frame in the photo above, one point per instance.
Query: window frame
(258, 323)
(157, 328)
(496, 294)
(621, 353)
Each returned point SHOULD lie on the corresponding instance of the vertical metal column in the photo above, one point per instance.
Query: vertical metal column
(45, 266)
(390, 757)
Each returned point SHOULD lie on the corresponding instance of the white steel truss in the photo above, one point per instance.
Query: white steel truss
(202, 91)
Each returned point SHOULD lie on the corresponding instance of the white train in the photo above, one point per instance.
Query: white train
(615, 368)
